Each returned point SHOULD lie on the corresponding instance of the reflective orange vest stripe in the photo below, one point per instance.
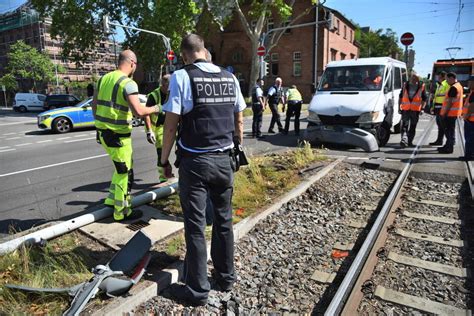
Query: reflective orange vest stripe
(456, 103)
(469, 118)
(415, 103)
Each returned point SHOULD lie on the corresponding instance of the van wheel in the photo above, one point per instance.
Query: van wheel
(22, 109)
(382, 134)
(62, 125)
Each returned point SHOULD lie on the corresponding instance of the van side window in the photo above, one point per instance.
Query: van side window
(41, 98)
(398, 78)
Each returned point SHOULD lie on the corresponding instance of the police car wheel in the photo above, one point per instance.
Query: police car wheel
(62, 125)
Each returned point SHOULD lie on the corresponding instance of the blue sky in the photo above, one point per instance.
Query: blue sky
(434, 23)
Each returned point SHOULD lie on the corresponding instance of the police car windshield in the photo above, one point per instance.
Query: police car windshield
(352, 78)
(83, 103)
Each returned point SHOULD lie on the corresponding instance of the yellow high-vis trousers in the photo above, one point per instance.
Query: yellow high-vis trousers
(120, 187)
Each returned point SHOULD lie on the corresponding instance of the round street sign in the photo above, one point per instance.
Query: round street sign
(407, 38)
(261, 51)
(170, 55)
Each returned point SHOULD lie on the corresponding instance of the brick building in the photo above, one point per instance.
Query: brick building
(25, 24)
(293, 59)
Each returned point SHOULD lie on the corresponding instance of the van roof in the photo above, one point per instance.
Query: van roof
(26, 93)
(366, 61)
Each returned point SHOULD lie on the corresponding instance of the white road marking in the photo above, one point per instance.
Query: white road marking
(79, 140)
(16, 123)
(6, 134)
(2, 151)
(81, 135)
(11, 138)
(25, 144)
(5, 147)
(63, 138)
(44, 141)
(50, 166)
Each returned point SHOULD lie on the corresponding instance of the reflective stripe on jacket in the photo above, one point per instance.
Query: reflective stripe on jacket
(467, 117)
(113, 111)
(441, 90)
(294, 95)
(415, 103)
(456, 103)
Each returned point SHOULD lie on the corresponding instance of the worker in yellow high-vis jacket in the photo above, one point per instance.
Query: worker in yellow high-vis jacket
(115, 102)
(154, 123)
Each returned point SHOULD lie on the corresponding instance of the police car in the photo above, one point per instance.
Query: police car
(63, 120)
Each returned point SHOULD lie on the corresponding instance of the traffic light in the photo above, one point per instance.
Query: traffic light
(264, 69)
(105, 24)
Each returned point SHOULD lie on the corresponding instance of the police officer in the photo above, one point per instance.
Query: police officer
(442, 87)
(115, 102)
(275, 96)
(154, 123)
(209, 103)
(468, 115)
(412, 100)
(258, 106)
(450, 111)
(295, 101)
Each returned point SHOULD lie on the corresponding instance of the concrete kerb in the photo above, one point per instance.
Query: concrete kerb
(173, 272)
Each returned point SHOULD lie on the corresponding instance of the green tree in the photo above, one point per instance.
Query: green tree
(9, 81)
(79, 25)
(255, 19)
(379, 44)
(25, 62)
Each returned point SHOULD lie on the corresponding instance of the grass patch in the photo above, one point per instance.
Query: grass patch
(61, 263)
(175, 245)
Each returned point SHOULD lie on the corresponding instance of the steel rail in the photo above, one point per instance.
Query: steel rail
(344, 290)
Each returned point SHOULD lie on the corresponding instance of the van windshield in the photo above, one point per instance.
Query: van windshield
(352, 78)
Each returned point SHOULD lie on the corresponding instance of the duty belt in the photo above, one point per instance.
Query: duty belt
(118, 134)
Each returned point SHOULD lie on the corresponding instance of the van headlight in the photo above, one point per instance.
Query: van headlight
(368, 117)
(313, 117)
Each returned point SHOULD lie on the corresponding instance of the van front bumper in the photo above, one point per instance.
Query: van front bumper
(344, 135)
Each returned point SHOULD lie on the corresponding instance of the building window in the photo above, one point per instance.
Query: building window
(353, 56)
(345, 32)
(270, 24)
(274, 69)
(343, 56)
(297, 68)
(351, 39)
(333, 54)
(296, 56)
(237, 56)
(338, 27)
(274, 57)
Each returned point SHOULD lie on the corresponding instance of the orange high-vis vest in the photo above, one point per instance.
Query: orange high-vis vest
(415, 103)
(456, 103)
(469, 118)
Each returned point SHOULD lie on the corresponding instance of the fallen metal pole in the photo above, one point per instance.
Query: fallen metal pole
(74, 223)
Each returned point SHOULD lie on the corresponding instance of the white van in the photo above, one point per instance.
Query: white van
(28, 102)
(356, 102)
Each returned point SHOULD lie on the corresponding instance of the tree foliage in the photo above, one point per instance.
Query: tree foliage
(79, 24)
(9, 81)
(379, 44)
(25, 62)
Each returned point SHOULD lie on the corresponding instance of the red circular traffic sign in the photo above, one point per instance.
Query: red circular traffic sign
(170, 55)
(407, 38)
(261, 50)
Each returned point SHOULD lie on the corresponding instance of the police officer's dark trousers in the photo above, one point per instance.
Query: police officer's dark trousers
(469, 138)
(257, 110)
(275, 118)
(449, 124)
(294, 108)
(198, 175)
(409, 122)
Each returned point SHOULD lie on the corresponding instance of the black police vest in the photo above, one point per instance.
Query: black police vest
(210, 123)
(275, 98)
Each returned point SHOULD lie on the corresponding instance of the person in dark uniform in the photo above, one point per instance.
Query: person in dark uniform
(275, 96)
(258, 106)
(209, 103)
(442, 87)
